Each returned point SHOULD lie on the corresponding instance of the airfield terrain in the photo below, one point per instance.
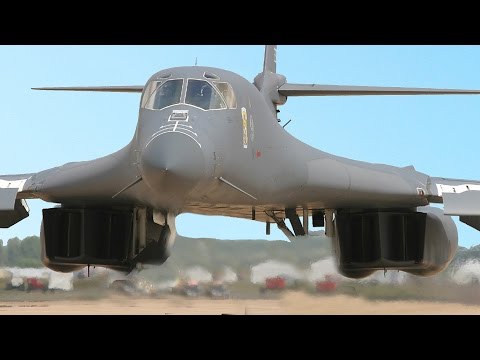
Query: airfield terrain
(243, 268)
(289, 303)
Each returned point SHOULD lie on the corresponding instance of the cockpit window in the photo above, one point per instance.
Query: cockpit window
(227, 92)
(210, 76)
(161, 94)
(201, 94)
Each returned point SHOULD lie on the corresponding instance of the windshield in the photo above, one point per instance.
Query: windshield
(162, 94)
(227, 92)
(201, 94)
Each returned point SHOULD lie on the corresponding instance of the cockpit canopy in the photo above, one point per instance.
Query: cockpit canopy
(203, 94)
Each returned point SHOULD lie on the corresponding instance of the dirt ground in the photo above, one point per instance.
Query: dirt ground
(290, 303)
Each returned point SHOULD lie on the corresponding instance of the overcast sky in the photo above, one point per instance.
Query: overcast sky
(436, 134)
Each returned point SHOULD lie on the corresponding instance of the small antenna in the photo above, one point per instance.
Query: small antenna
(195, 61)
(288, 122)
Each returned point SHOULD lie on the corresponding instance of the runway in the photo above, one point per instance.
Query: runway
(289, 303)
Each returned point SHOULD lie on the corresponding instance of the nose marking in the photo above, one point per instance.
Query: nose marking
(172, 131)
(181, 115)
(179, 128)
(177, 124)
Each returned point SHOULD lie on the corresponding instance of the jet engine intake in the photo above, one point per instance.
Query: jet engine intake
(421, 242)
(72, 238)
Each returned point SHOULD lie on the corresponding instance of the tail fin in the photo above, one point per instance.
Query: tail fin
(270, 59)
(268, 81)
(275, 88)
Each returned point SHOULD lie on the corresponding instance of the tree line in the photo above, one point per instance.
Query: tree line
(211, 253)
(21, 253)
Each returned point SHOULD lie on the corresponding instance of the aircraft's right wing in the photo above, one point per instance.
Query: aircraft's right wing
(125, 89)
(459, 197)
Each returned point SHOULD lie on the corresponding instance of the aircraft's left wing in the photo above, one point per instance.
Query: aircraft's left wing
(351, 90)
(459, 197)
(12, 208)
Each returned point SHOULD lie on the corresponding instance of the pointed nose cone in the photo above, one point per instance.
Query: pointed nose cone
(172, 162)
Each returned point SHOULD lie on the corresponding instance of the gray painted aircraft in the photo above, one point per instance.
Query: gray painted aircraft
(209, 142)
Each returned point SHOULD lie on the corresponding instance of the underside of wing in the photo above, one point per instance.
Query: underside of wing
(12, 207)
(238, 211)
(459, 197)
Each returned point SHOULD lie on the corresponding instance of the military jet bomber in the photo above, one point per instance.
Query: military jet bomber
(208, 141)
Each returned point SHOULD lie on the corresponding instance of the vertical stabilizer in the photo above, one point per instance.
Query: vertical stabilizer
(270, 59)
(268, 81)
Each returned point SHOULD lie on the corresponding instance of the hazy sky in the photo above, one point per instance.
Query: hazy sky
(436, 134)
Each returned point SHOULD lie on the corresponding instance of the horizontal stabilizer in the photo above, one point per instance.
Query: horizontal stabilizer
(346, 90)
(460, 197)
(12, 210)
(11, 217)
(473, 221)
(466, 203)
(7, 199)
(125, 89)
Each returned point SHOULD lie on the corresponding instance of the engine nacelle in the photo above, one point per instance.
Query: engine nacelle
(441, 242)
(421, 243)
(115, 238)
